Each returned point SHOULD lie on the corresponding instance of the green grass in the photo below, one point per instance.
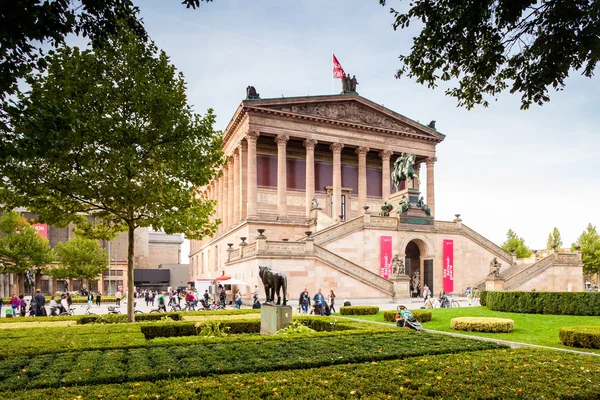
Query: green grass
(539, 329)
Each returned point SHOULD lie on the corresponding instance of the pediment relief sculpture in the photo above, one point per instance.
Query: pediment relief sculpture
(348, 112)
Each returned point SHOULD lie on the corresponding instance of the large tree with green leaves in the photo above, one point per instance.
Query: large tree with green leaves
(589, 245)
(108, 132)
(79, 258)
(554, 240)
(514, 243)
(484, 47)
(22, 249)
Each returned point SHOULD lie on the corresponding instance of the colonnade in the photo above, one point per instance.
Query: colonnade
(235, 190)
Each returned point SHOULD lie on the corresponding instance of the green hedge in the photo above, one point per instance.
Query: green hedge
(580, 336)
(359, 310)
(483, 324)
(225, 356)
(121, 318)
(496, 374)
(483, 298)
(420, 315)
(560, 303)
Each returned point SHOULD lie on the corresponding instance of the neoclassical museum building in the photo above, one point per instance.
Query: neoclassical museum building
(302, 192)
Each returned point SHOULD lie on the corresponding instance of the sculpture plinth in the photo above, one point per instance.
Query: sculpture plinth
(401, 286)
(274, 318)
(416, 214)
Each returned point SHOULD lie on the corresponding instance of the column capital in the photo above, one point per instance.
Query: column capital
(281, 140)
(362, 150)
(230, 161)
(431, 160)
(336, 147)
(386, 154)
(252, 135)
(236, 153)
(310, 144)
(243, 146)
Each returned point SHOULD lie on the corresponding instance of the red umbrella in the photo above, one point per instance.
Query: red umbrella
(222, 278)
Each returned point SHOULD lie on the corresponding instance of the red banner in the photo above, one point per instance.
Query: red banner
(448, 266)
(42, 230)
(385, 269)
(338, 71)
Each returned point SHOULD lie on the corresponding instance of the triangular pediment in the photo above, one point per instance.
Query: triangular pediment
(347, 109)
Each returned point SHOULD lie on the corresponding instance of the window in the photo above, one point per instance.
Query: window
(45, 286)
(343, 207)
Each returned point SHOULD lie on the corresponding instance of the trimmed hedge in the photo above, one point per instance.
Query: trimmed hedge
(122, 318)
(482, 324)
(559, 303)
(580, 336)
(359, 310)
(224, 356)
(496, 374)
(483, 297)
(420, 315)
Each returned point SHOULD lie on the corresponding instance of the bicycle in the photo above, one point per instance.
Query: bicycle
(67, 313)
(453, 303)
(87, 310)
(189, 306)
(135, 309)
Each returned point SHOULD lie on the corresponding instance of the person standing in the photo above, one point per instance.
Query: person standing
(1, 304)
(118, 297)
(40, 302)
(90, 298)
(98, 298)
(223, 296)
(332, 301)
(238, 299)
(14, 302)
(255, 296)
(426, 293)
(319, 301)
(304, 300)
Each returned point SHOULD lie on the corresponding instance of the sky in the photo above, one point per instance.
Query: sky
(500, 167)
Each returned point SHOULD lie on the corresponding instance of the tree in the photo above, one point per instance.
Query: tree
(22, 249)
(490, 46)
(554, 240)
(514, 243)
(79, 258)
(108, 133)
(589, 245)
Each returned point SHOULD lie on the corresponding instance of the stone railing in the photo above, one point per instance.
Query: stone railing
(354, 270)
(249, 250)
(527, 273)
(338, 230)
(384, 222)
(284, 248)
(234, 254)
(567, 258)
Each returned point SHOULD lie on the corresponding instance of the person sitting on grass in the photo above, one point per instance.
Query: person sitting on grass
(402, 316)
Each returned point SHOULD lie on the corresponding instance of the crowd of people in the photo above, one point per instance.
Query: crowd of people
(320, 304)
(37, 306)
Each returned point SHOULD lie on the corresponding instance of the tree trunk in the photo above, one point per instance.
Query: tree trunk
(20, 284)
(130, 247)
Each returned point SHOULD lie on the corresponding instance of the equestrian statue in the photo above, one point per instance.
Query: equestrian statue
(273, 281)
(404, 170)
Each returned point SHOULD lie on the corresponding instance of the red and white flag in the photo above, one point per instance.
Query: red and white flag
(338, 71)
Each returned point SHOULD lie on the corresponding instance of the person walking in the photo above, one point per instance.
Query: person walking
(14, 303)
(90, 298)
(332, 301)
(238, 299)
(255, 296)
(304, 300)
(426, 293)
(22, 306)
(1, 304)
(39, 302)
(319, 301)
(98, 298)
(146, 297)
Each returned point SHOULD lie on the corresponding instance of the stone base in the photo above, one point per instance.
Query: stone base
(494, 284)
(274, 318)
(414, 215)
(401, 286)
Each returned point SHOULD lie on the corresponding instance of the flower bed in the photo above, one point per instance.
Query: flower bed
(580, 336)
(359, 310)
(224, 356)
(480, 324)
(498, 374)
(420, 315)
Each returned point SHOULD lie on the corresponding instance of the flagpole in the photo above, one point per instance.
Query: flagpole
(332, 73)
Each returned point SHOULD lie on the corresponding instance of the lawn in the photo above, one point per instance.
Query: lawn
(539, 329)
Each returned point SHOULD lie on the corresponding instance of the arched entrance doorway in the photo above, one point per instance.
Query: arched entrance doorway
(417, 259)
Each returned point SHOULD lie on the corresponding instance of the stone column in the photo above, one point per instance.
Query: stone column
(236, 186)
(230, 189)
(416, 183)
(281, 141)
(221, 200)
(430, 185)
(336, 148)
(310, 173)
(362, 176)
(385, 174)
(243, 165)
(225, 186)
(252, 138)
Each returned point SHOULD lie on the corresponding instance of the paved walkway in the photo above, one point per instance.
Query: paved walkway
(514, 345)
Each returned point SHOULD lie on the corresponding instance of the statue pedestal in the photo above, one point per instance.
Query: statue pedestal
(274, 318)
(494, 284)
(401, 285)
(414, 215)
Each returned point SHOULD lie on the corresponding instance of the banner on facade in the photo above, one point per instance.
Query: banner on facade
(42, 230)
(448, 266)
(385, 269)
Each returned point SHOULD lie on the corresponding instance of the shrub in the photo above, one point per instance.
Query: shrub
(481, 324)
(359, 310)
(580, 336)
(560, 303)
(483, 298)
(420, 315)
(295, 328)
(211, 329)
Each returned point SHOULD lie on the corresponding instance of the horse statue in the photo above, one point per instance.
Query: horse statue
(404, 170)
(273, 281)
